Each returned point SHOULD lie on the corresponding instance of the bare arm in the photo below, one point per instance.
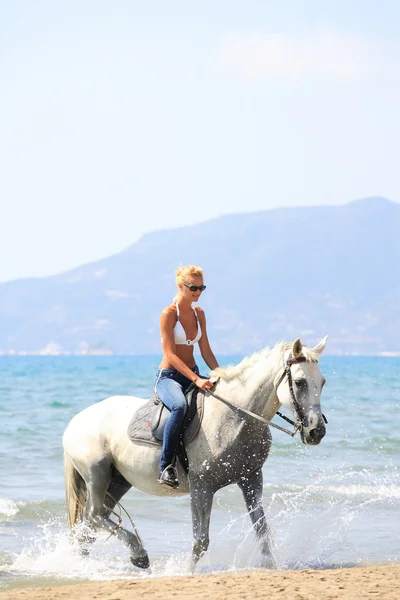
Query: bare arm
(204, 344)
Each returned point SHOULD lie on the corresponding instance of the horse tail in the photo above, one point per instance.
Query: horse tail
(75, 489)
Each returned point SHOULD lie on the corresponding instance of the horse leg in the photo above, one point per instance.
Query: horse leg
(116, 490)
(98, 509)
(201, 500)
(252, 488)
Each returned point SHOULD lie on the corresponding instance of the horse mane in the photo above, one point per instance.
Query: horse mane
(237, 371)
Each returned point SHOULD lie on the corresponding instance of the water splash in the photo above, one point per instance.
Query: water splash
(327, 523)
(316, 520)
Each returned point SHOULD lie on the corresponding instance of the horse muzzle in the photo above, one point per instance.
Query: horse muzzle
(313, 436)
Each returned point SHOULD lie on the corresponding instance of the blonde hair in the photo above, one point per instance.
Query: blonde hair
(182, 273)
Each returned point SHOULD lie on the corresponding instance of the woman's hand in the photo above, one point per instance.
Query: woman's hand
(203, 384)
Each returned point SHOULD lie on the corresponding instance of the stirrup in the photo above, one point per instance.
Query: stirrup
(169, 476)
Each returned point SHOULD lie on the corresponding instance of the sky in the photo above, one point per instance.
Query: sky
(123, 117)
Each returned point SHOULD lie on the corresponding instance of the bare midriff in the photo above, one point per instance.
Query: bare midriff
(185, 353)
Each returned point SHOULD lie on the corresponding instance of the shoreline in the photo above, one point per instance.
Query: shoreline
(357, 583)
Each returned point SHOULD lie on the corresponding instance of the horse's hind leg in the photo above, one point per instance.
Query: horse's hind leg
(97, 510)
(252, 488)
(116, 490)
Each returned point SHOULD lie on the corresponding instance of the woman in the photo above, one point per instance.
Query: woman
(182, 326)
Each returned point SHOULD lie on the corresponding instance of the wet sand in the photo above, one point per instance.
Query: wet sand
(357, 583)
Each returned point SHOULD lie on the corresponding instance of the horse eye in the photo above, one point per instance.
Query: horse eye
(300, 382)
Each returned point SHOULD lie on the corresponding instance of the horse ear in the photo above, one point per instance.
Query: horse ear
(297, 347)
(320, 347)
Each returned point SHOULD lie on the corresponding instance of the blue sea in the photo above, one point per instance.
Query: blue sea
(333, 505)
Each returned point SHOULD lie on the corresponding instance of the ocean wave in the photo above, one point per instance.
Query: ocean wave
(19, 509)
(373, 490)
(9, 508)
(385, 492)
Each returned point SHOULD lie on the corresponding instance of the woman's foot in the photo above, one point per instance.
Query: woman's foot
(169, 476)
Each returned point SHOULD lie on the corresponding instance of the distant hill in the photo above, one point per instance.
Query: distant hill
(271, 276)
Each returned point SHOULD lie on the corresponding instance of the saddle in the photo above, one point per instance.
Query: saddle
(148, 423)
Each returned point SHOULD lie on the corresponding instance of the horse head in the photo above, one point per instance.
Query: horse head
(299, 387)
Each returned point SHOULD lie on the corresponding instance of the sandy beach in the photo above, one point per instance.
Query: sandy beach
(356, 583)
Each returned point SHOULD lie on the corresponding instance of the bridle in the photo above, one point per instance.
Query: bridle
(287, 373)
(299, 424)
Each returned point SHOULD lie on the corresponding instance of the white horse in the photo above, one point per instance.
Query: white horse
(102, 464)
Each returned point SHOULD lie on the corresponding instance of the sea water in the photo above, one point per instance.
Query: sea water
(332, 505)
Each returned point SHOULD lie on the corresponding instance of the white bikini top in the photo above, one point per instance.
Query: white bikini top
(179, 332)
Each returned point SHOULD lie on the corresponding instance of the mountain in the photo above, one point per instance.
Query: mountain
(272, 275)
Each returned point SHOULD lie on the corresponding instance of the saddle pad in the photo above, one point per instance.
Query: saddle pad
(140, 428)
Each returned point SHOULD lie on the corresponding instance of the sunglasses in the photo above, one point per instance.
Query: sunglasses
(194, 288)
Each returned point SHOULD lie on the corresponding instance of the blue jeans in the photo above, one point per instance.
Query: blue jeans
(170, 387)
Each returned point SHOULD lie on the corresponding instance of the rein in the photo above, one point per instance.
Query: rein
(286, 373)
(258, 417)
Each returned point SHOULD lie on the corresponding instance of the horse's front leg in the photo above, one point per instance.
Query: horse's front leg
(201, 499)
(252, 488)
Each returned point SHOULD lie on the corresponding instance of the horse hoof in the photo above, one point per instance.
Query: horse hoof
(268, 562)
(141, 560)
